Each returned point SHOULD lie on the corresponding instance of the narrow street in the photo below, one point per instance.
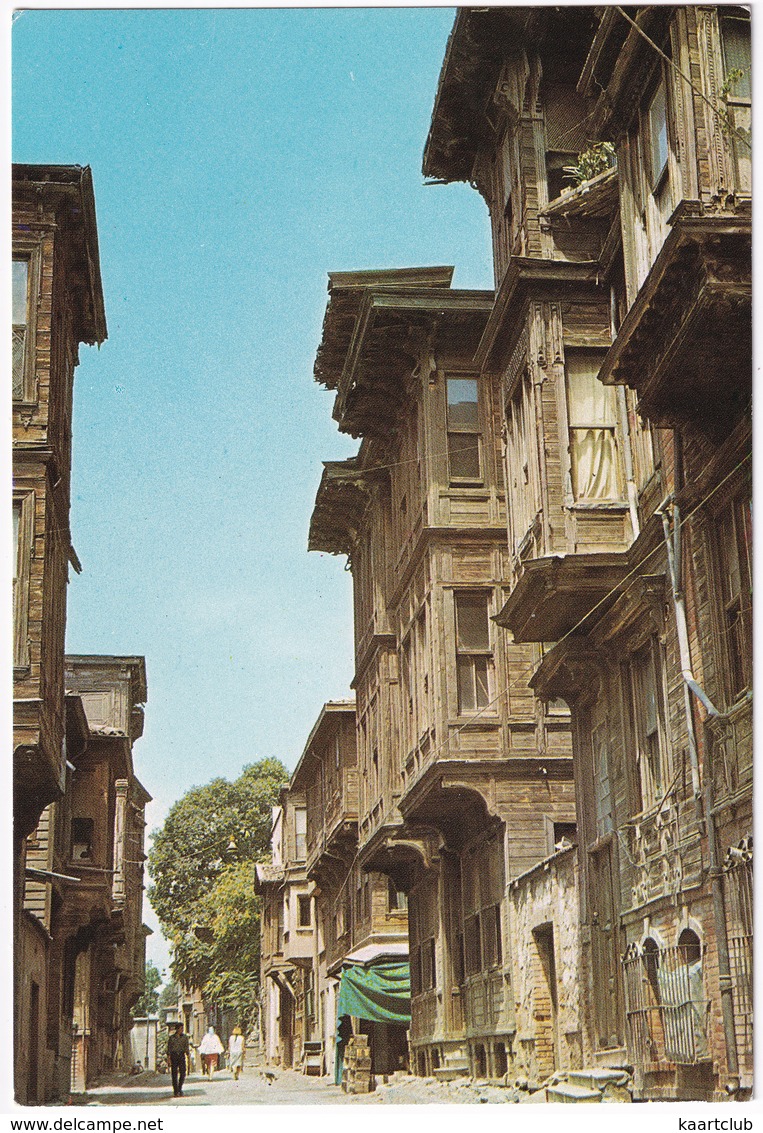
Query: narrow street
(281, 1087)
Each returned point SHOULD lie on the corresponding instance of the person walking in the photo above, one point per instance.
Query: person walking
(236, 1048)
(210, 1049)
(179, 1054)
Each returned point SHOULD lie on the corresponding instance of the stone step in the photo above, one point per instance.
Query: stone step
(571, 1092)
(597, 1077)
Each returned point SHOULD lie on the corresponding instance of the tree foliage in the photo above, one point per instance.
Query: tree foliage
(149, 1000)
(202, 866)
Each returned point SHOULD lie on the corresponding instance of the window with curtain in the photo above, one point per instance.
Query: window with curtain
(592, 417)
(300, 833)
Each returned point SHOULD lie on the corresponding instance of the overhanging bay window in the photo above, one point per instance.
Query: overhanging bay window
(592, 418)
(464, 434)
(474, 659)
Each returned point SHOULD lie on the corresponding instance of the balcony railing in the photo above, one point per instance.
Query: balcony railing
(666, 1011)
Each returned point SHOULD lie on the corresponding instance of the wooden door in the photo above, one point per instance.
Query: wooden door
(606, 978)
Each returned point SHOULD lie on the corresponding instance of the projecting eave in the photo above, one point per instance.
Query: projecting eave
(331, 712)
(69, 189)
(393, 331)
(525, 279)
(346, 291)
(340, 504)
(460, 124)
(558, 594)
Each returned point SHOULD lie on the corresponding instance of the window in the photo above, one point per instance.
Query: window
(82, 839)
(397, 900)
(464, 456)
(735, 555)
(737, 65)
(304, 914)
(490, 923)
(20, 280)
(23, 511)
(473, 655)
(602, 787)
(472, 945)
(656, 145)
(592, 413)
(647, 725)
(300, 833)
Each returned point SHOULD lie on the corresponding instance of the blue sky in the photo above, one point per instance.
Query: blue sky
(237, 156)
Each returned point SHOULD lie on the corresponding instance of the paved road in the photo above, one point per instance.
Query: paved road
(252, 1088)
(288, 1088)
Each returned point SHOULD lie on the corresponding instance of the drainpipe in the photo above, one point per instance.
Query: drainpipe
(702, 792)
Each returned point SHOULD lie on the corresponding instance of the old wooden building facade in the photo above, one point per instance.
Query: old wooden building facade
(60, 913)
(620, 336)
(464, 777)
(322, 913)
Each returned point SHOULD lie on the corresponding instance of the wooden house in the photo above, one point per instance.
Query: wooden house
(360, 916)
(286, 952)
(84, 882)
(621, 339)
(464, 778)
(57, 303)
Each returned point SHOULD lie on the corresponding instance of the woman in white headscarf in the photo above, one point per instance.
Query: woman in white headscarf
(210, 1049)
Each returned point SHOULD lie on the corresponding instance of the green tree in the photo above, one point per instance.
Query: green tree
(149, 1000)
(202, 866)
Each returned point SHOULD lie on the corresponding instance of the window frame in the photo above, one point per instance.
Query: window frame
(650, 746)
(456, 429)
(24, 507)
(28, 253)
(468, 658)
(300, 836)
(596, 356)
(304, 900)
(738, 671)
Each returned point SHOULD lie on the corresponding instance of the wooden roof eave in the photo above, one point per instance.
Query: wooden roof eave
(523, 277)
(367, 371)
(340, 503)
(474, 55)
(686, 228)
(69, 189)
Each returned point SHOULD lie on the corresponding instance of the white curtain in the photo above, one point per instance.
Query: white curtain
(592, 417)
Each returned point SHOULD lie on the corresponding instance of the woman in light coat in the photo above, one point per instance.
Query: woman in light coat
(210, 1049)
(236, 1048)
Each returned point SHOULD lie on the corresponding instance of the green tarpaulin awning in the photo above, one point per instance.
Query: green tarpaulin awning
(380, 992)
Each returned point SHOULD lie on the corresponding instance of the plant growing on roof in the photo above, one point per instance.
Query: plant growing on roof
(595, 159)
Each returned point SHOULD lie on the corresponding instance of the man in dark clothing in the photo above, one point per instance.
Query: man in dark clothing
(178, 1051)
